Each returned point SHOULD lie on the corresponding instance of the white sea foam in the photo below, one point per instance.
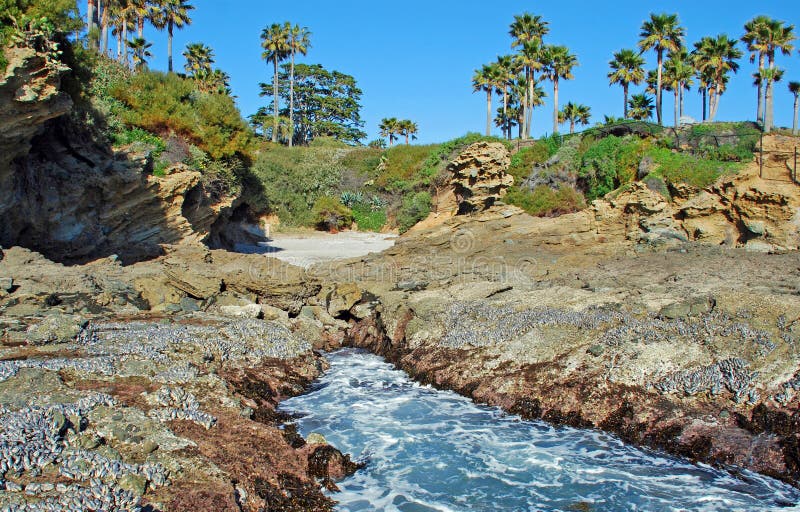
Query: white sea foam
(430, 450)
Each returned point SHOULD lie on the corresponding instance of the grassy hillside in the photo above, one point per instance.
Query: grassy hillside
(566, 172)
(376, 188)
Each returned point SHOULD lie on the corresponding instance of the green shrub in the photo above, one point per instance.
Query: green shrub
(522, 162)
(367, 218)
(288, 181)
(629, 157)
(598, 170)
(4, 31)
(142, 136)
(166, 103)
(416, 207)
(331, 215)
(553, 143)
(147, 139)
(543, 201)
(328, 142)
(403, 167)
(685, 168)
(727, 142)
(362, 161)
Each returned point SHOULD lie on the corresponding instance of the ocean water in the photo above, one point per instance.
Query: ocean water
(430, 450)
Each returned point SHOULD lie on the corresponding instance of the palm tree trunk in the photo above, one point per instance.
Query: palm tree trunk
(760, 113)
(119, 44)
(524, 125)
(291, 103)
(705, 94)
(505, 110)
(140, 31)
(796, 105)
(555, 103)
(89, 16)
(658, 86)
(489, 112)
(170, 28)
(572, 126)
(275, 104)
(712, 104)
(625, 100)
(104, 25)
(769, 114)
(677, 104)
(683, 90)
(530, 105)
(125, 43)
(407, 139)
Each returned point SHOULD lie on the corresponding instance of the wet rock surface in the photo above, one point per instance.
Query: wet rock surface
(123, 409)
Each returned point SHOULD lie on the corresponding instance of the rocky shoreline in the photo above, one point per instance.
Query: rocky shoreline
(109, 406)
(156, 384)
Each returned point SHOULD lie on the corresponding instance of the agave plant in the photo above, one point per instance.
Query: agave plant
(376, 203)
(350, 199)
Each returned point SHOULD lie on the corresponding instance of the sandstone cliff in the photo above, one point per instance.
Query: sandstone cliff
(70, 197)
(479, 176)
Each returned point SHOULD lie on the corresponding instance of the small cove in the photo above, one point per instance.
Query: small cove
(431, 450)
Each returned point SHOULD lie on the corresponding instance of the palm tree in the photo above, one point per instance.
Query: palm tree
(528, 31)
(626, 69)
(507, 119)
(170, 14)
(640, 107)
(199, 59)
(716, 56)
(678, 73)
(756, 37)
(519, 93)
(661, 32)
(104, 22)
(486, 79)
(407, 129)
(558, 64)
(505, 68)
(143, 10)
(215, 82)
(90, 14)
(794, 88)
(389, 127)
(123, 17)
(780, 39)
(575, 113)
(275, 40)
(141, 52)
(299, 42)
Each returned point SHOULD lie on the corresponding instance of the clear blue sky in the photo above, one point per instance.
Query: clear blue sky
(415, 59)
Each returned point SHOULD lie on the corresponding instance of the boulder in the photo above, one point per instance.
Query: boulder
(479, 176)
(343, 298)
(157, 292)
(56, 328)
(271, 313)
(248, 311)
(676, 310)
